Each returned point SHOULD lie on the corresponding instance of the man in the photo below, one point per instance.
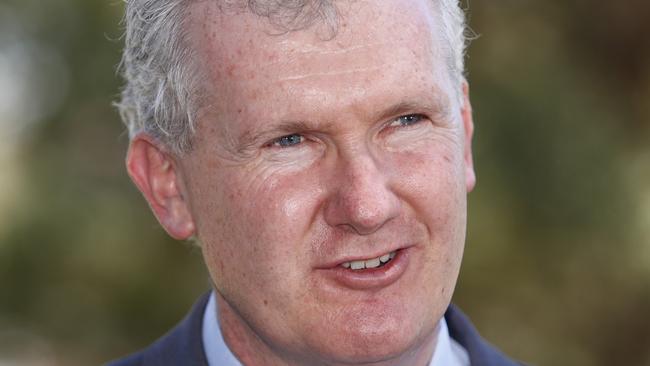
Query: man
(320, 154)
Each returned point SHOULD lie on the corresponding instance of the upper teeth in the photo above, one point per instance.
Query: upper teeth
(369, 263)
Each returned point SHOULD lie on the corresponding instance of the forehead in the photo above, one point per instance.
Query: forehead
(378, 45)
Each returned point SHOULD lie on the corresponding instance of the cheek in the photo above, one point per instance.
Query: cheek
(431, 175)
(432, 183)
(432, 186)
(255, 233)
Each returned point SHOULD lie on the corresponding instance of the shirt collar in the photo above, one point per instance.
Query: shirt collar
(216, 350)
(447, 352)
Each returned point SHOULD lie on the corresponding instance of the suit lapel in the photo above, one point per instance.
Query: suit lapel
(481, 353)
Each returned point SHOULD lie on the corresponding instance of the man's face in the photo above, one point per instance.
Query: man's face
(318, 157)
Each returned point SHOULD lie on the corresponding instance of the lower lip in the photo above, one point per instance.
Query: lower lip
(371, 278)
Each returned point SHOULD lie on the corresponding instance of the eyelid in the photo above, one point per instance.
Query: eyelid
(276, 141)
(420, 117)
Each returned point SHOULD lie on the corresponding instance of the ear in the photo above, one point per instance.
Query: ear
(156, 174)
(468, 123)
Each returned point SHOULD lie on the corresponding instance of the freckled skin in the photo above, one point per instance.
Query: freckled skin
(268, 216)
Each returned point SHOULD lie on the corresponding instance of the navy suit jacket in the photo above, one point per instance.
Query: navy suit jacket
(183, 345)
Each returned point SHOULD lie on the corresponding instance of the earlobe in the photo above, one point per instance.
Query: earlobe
(468, 123)
(156, 175)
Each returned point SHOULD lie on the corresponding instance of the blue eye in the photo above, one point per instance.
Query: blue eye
(288, 140)
(409, 119)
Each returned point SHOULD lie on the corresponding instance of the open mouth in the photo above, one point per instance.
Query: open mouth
(370, 263)
(362, 274)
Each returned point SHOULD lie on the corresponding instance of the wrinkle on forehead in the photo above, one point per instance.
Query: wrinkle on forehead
(287, 54)
(331, 73)
(297, 47)
(337, 50)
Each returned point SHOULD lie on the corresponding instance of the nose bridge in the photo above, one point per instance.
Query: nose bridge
(361, 198)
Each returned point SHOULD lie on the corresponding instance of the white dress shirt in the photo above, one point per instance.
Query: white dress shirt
(447, 352)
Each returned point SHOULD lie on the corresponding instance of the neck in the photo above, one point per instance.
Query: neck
(253, 350)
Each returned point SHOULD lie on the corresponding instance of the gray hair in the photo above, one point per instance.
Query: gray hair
(162, 93)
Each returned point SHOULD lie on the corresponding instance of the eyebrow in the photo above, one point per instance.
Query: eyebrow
(438, 106)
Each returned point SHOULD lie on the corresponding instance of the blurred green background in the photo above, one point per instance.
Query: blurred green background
(557, 265)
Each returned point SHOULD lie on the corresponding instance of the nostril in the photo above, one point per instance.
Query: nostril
(362, 218)
(361, 199)
(367, 217)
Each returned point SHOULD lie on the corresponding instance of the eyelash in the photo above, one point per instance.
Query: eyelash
(290, 140)
(408, 120)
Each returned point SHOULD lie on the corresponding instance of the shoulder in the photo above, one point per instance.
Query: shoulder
(183, 345)
(481, 352)
(132, 360)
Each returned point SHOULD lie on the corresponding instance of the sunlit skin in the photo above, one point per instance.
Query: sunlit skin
(312, 153)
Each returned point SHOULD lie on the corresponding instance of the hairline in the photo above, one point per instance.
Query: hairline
(189, 98)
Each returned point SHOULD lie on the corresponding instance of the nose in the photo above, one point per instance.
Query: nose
(361, 200)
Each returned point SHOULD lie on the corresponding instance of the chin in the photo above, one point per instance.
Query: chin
(368, 341)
